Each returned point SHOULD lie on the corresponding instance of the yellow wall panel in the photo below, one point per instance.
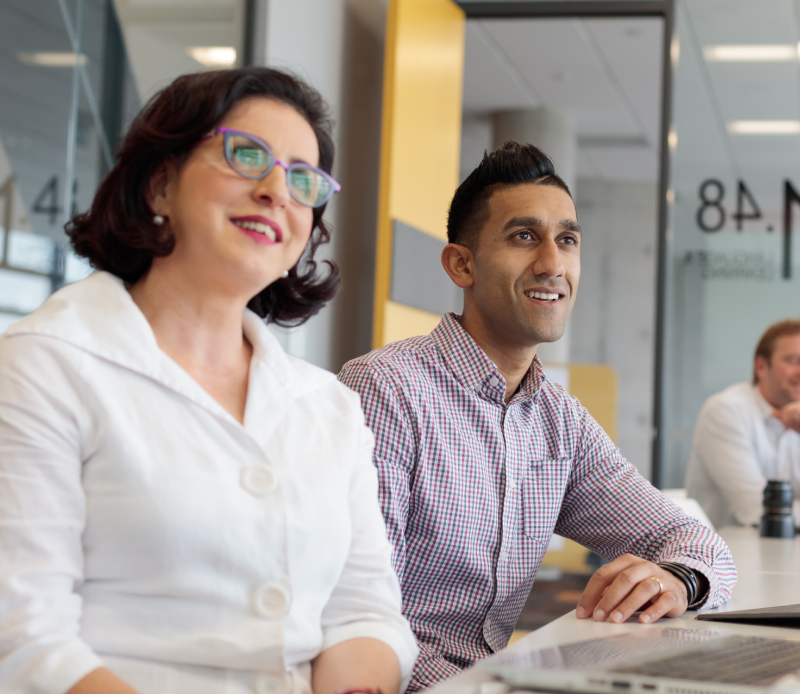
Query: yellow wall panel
(426, 134)
(570, 558)
(595, 385)
(405, 321)
(421, 130)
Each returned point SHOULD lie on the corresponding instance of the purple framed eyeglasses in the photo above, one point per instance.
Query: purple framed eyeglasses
(251, 157)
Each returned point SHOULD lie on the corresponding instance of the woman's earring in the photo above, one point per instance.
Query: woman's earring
(285, 273)
(158, 220)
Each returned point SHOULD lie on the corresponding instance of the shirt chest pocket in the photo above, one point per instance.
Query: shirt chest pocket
(542, 492)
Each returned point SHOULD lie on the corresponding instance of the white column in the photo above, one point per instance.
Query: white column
(306, 37)
(553, 132)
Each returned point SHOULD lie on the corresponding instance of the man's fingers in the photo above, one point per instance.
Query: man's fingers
(669, 603)
(642, 594)
(631, 586)
(789, 416)
(635, 588)
(599, 584)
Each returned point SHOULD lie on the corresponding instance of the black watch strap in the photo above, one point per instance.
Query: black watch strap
(696, 585)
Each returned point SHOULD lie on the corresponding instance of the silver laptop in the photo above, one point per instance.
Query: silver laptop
(657, 661)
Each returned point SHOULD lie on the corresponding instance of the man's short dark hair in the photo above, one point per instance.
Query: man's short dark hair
(509, 165)
(766, 345)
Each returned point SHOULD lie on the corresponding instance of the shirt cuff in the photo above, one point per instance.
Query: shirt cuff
(715, 595)
(55, 672)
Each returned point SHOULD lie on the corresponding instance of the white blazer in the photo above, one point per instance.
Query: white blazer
(142, 528)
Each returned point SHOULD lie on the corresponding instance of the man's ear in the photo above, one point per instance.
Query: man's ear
(761, 367)
(159, 189)
(459, 264)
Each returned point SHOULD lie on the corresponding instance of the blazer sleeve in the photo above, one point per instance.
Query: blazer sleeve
(366, 601)
(42, 516)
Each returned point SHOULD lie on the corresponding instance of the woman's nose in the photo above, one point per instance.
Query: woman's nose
(273, 187)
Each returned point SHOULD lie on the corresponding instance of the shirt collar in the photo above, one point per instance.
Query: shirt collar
(99, 316)
(764, 408)
(472, 366)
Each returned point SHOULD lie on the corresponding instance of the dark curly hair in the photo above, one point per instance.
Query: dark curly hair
(118, 234)
(510, 164)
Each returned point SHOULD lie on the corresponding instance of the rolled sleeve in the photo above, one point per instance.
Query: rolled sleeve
(366, 601)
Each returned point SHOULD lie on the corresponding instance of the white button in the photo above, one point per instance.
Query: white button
(493, 382)
(258, 480)
(504, 556)
(271, 601)
(512, 482)
(273, 683)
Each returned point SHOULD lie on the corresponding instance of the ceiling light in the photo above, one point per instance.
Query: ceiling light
(765, 127)
(672, 139)
(777, 52)
(214, 56)
(52, 59)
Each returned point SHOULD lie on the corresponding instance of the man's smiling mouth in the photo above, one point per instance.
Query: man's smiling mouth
(546, 296)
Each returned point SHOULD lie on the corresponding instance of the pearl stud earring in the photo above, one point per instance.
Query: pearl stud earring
(158, 220)
(285, 273)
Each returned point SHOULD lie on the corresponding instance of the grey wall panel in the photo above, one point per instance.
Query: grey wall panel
(418, 278)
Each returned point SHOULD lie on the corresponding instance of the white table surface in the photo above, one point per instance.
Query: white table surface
(769, 575)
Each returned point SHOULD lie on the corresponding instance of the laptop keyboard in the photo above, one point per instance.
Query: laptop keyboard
(733, 660)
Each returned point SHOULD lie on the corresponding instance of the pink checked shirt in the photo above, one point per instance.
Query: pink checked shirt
(472, 489)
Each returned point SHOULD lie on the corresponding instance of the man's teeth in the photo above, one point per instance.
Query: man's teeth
(268, 231)
(542, 295)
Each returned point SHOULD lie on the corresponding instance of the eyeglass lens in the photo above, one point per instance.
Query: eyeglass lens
(252, 160)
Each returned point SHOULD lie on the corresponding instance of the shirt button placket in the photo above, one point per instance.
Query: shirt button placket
(271, 601)
(258, 480)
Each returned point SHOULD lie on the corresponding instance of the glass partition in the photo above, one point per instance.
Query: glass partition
(733, 265)
(65, 92)
(72, 75)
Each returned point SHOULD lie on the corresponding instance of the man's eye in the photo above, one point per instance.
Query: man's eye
(524, 235)
(570, 240)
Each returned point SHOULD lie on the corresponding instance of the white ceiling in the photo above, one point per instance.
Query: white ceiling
(605, 72)
(710, 95)
(159, 32)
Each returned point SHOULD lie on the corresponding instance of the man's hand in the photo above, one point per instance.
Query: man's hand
(789, 416)
(625, 585)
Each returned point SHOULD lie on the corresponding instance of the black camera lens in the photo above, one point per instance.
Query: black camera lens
(777, 520)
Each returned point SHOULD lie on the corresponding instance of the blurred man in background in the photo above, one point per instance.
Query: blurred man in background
(750, 433)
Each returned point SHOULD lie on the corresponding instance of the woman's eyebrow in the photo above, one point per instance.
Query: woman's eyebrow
(293, 160)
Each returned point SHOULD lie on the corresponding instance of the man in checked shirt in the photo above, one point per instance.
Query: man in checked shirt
(481, 458)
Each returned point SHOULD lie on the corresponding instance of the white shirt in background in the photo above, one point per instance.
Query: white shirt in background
(738, 446)
(144, 529)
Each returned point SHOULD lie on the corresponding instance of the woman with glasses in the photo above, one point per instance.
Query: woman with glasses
(184, 507)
